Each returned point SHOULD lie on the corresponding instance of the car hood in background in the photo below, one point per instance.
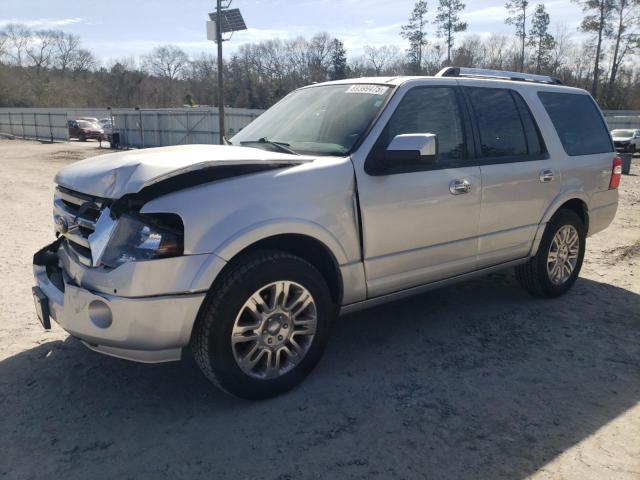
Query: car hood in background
(116, 174)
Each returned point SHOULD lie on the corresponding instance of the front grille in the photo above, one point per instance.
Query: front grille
(80, 212)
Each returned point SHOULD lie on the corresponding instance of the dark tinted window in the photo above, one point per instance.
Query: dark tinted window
(429, 110)
(501, 130)
(578, 123)
(535, 144)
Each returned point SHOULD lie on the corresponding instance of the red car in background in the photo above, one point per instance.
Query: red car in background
(84, 130)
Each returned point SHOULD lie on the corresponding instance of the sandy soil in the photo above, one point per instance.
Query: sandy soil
(476, 381)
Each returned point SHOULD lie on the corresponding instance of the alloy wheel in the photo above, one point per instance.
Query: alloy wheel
(274, 329)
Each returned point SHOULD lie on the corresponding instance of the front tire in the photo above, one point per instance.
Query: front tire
(556, 266)
(264, 325)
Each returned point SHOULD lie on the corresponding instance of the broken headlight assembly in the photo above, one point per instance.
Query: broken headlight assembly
(144, 237)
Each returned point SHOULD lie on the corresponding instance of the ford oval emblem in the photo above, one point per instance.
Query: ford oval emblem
(61, 224)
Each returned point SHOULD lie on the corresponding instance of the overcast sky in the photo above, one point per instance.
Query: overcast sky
(117, 28)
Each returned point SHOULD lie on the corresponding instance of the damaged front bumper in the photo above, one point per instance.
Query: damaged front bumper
(150, 329)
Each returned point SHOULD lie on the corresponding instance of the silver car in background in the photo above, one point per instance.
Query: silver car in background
(626, 139)
(342, 196)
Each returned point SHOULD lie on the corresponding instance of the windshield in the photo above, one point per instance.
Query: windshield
(622, 133)
(83, 124)
(323, 120)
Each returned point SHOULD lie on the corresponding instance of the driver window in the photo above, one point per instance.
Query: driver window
(429, 110)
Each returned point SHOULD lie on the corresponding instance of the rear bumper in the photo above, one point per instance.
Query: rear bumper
(148, 329)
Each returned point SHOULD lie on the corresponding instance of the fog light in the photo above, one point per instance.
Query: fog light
(100, 314)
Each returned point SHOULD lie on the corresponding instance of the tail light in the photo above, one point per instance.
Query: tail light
(616, 173)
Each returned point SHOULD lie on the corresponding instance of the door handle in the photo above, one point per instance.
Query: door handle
(546, 176)
(458, 187)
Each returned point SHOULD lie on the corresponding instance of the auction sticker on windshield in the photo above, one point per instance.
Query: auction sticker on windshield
(370, 89)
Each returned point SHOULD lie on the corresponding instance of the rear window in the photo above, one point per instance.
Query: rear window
(578, 123)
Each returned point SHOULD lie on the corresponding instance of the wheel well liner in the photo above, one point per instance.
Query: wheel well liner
(580, 208)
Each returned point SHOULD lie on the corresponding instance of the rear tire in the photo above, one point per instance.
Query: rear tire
(556, 266)
(254, 338)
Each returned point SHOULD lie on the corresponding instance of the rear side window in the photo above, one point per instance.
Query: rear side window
(578, 122)
(499, 124)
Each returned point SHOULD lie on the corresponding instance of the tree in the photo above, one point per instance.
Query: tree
(40, 50)
(167, 61)
(338, 67)
(448, 21)
(540, 38)
(318, 54)
(18, 38)
(4, 45)
(414, 31)
(82, 60)
(66, 47)
(626, 40)
(380, 58)
(518, 18)
(597, 23)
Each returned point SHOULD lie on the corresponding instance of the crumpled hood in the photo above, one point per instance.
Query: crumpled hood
(116, 174)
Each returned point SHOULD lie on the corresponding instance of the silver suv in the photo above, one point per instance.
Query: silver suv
(342, 196)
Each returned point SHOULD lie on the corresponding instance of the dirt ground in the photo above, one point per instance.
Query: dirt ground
(477, 380)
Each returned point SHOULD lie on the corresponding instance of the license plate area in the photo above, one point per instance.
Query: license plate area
(42, 307)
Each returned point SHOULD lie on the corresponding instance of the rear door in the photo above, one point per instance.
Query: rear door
(416, 227)
(519, 177)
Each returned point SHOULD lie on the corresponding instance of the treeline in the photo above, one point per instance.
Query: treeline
(51, 68)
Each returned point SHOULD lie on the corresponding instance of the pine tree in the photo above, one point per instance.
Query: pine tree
(598, 23)
(415, 32)
(540, 38)
(338, 64)
(518, 18)
(448, 21)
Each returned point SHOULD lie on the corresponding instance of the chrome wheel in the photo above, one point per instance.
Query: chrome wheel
(274, 329)
(563, 254)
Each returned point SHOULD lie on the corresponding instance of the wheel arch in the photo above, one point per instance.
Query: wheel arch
(578, 203)
(302, 245)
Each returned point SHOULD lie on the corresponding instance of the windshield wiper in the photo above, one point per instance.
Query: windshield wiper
(282, 146)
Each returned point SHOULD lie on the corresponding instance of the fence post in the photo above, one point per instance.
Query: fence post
(35, 125)
(50, 128)
(159, 129)
(188, 130)
(11, 124)
(22, 123)
(141, 130)
(213, 122)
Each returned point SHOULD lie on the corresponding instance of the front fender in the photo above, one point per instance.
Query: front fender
(241, 239)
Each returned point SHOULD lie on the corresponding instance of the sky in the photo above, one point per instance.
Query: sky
(123, 28)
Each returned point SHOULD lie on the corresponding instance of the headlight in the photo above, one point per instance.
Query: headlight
(144, 238)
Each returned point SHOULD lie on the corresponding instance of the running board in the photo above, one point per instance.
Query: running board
(409, 292)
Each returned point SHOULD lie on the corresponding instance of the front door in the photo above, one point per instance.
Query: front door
(420, 222)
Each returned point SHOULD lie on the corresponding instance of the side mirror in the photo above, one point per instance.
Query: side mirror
(412, 149)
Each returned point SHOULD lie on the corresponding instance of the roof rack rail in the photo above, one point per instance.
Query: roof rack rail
(500, 74)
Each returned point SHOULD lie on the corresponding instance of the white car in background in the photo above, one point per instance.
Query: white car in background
(107, 126)
(626, 140)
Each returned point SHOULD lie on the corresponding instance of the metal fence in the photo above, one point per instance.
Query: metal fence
(45, 125)
(137, 128)
(622, 118)
(156, 128)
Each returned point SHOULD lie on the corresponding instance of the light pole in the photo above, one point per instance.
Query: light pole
(220, 76)
(222, 21)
